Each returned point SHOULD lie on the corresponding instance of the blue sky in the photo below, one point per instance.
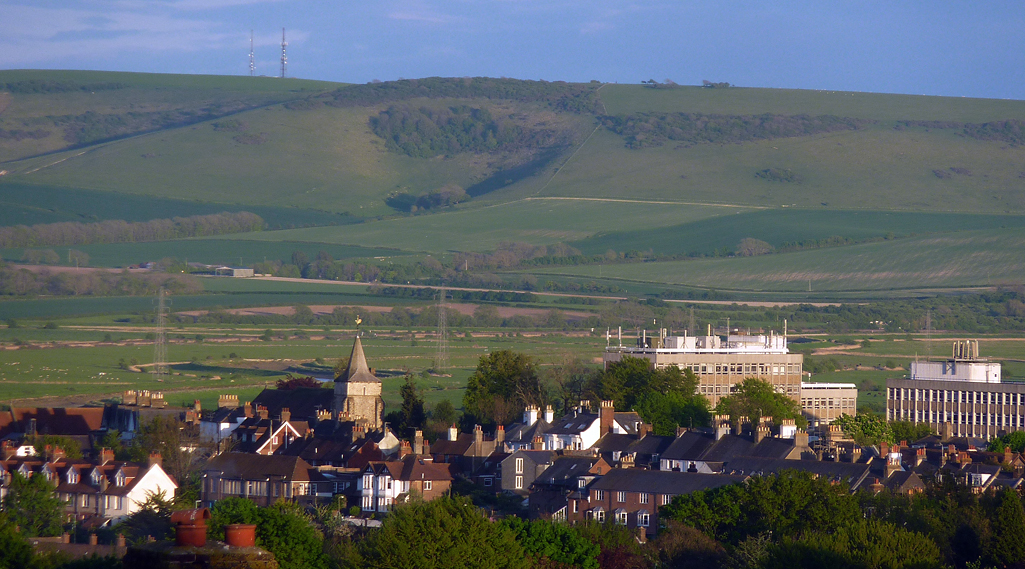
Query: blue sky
(974, 49)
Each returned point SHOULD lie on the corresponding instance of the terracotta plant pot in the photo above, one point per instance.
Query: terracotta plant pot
(240, 535)
(190, 536)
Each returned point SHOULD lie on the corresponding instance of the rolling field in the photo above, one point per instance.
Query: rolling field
(965, 259)
(620, 99)
(535, 221)
(215, 251)
(873, 168)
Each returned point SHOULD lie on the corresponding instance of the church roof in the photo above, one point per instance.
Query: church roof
(358, 371)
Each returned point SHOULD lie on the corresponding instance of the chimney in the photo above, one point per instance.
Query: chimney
(92, 539)
(65, 537)
(680, 431)
(227, 401)
(286, 415)
(58, 453)
(963, 458)
(761, 432)
(919, 456)
(787, 428)
(1008, 456)
(876, 486)
(884, 449)
(106, 455)
(453, 433)
(130, 397)
(530, 415)
(31, 427)
(404, 449)
(800, 438)
(626, 460)
(500, 438)
(197, 407)
(606, 416)
(855, 453)
(585, 406)
(892, 463)
(264, 414)
(157, 402)
(549, 415)
(742, 425)
(6, 450)
(478, 440)
(155, 458)
(538, 443)
(120, 540)
(48, 452)
(946, 431)
(722, 426)
(418, 442)
(248, 409)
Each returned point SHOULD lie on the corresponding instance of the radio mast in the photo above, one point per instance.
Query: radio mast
(284, 56)
(252, 58)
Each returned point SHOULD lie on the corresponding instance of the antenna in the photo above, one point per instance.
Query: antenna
(928, 335)
(160, 371)
(252, 56)
(284, 56)
(441, 359)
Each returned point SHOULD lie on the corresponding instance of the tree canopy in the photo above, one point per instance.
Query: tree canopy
(756, 398)
(32, 505)
(504, 383)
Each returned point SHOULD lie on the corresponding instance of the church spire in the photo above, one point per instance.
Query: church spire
(358, 371)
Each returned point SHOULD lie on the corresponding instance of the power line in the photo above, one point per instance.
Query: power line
(160, 371)
(441, 358)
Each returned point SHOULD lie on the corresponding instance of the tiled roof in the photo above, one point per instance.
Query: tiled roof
(302, 403)
(520, 433)
(572, 423)
(852, 474)
(358, 371)
(661, 482)
(253, 466)
(567, 468)
(689, 446)
(60, 420)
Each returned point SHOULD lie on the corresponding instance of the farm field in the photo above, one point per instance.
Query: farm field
(535, 221)
(965, 259)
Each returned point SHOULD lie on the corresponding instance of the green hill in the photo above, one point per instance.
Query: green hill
(434, 166)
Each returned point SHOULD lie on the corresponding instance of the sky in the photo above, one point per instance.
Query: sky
(939, 47)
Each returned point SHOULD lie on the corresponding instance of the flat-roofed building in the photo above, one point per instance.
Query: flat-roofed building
(964, 391)
(719, 363)
(823, 403)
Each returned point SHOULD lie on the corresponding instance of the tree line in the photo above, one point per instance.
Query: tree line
(21, 282)
(120, 231)
(642, 130)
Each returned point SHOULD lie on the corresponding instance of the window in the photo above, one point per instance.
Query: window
(599, 515)
(368, 481)
(644, 497)
(487, 481)
(666, 498)
(85, 500)
(519, 466)
(387, 482)
(576, 506)
(368, 503)
(429, 484)
(621, 517)
(621, 497)
(599, 495)
(643, 518)
(519, 483)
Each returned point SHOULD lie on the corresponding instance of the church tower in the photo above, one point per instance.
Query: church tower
(358, 392)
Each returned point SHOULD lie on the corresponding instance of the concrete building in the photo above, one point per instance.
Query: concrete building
(825, 402)
(720, 364)
(358, 392)
(963, 396)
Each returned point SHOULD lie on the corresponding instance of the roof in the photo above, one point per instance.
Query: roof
(572, 423)
(358, 371)
(689, 446)
(851, 473)
(413, 467)
(629, 420)
(567, 468)
(651, 444)
(661, 482)
(252, 466)
(771, 447)
(302, 403)
(521, 433)
(728, 447)
(611, 442)
(459, 446)
(60, 420)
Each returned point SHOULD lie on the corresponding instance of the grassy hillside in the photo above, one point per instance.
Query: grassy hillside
(670, 171)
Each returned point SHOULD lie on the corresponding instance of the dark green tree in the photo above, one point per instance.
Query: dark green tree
(413, 415)
(504, 383)
(756, 398)
(15, 550)
(674, 409)
(864, 544)
(559, 543)
(71, 447)
(865, 429)
(440, 534)
(32, 505)
(1007, 548)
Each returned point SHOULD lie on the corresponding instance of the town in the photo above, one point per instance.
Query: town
(592, 462)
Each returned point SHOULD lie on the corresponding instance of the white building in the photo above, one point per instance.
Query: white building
(825, 402)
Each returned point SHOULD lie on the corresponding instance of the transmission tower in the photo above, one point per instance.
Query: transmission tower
(692, 323)
(928, 334)
(252, 55)
(160, 344)
(284, 56)
(441, 358)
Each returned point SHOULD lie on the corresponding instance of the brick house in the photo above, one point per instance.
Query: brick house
(632, 497)
(261, 478)
(521, 468)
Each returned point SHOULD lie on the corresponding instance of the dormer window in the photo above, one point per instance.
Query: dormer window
(96, 477)
(119, 478)
(72, 476)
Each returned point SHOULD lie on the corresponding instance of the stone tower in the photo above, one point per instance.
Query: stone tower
(358, 392)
